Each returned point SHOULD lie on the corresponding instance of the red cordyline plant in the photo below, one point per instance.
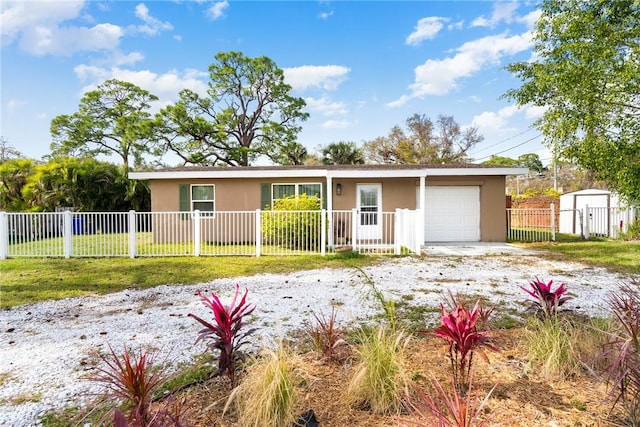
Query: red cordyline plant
(547, 301)
(326, 335)
(445, 408)
(224, 332)
(459, 329)
(134, 380)
(623, 351)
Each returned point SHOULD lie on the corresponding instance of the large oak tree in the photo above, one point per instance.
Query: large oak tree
(585, 73)
(248, 112)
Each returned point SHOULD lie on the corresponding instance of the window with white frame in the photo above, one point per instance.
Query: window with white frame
(280, 191)
(203, 198)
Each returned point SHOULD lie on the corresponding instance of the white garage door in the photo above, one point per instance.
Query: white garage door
(452, 214)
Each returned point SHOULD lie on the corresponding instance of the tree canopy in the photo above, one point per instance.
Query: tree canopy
(248, 112)
(425, 142)
(342, 153)
(112, 119)
(585, 74)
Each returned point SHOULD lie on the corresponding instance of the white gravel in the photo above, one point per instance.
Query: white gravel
(47, 348)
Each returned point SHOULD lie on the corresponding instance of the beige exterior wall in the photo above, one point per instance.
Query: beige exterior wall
(245, 195)
(493, 217)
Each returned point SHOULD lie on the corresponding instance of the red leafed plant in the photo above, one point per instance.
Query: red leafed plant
(447, 408)
(326, 335)
(546, 300)
(224, 331)
(134, 380)
(459, 329)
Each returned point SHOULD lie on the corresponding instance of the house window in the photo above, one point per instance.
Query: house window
(203, 199)
(280, 191)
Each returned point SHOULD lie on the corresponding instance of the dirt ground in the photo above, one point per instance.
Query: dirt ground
(520, 398)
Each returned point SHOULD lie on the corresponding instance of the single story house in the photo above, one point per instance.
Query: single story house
(460, 202)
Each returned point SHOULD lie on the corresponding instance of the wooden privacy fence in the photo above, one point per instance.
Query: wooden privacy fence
(250, 233)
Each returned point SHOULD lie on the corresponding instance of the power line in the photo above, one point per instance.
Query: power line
(510, 148)
(504, 140)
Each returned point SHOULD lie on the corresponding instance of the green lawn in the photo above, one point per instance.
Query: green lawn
(615, 255)
(29, 280)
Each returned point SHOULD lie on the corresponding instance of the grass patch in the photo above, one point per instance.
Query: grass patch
(380, 379)
(615, 255)
(38, 279)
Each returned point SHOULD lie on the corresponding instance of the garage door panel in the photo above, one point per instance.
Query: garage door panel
(452, 213)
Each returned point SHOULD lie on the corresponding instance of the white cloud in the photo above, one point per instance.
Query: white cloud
(15, 104)
(475, 99)
(152, 26)
(165, 86)
(456, 25)
(327, 77)
(534, 111)
(38, 27)
(440, 76)
(325, 106)
(490, 122)
(19, 16)
(502, 11)
(43, 40)
(325, 15)
(530, 18)
(426, 29)
(336, 124)
(217, 10)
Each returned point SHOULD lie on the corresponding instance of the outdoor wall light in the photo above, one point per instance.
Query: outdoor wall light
(338, 189)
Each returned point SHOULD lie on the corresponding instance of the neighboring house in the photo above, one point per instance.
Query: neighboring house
(460, 202)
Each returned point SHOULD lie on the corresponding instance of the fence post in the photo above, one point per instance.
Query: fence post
(258, 232)
(323, 232)
(68, 234)
(397, 225)
(132, 234)
(4, 235)
(553, 222)
(196, 232)
(418, 223)
(354, 229)
(587, 225)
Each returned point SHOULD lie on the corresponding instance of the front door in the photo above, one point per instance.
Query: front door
(369, 205)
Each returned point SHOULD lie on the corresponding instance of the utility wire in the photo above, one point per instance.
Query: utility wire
(510, 148)
(504, 140)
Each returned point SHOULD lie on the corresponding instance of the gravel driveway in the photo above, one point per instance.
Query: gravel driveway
(47, 348)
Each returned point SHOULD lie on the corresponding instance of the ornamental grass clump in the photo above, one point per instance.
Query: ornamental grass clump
(380, 380)
(267, 394)
(546, 301)
(553, 344)
(224, 333)
(458, 329)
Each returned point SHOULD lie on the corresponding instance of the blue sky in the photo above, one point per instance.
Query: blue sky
(361, 66)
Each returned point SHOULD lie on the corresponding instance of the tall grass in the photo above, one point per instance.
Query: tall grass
(552, 345)
(267, 394)
(380, 380)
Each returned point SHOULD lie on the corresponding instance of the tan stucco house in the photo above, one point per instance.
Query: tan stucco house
(460, 202)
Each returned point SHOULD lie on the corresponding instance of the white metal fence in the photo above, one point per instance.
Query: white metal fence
(250, 233)
(538, 225)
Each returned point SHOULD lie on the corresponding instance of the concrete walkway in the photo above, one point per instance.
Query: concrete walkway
(474, 249)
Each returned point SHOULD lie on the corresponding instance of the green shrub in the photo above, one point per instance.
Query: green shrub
(633, 231)
(293, 222)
